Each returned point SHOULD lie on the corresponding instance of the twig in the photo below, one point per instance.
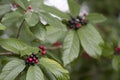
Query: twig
(6, 53)
(53, 48)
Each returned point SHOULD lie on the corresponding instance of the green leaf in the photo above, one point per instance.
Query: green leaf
(36, 4)
(31, 18)
(53, 10)
(4, 8)
(71, 47)
(12, 69)
(54, 56)
(108, 49)
(13, 45)
(34, 73)
(12, 17)
(55, 68)
(23, 3)
(39, 31)
(29, 51)
(116, 62)
(54, 34)
(26, 35)
(91, 40)
(2, 27)
(74, 7)
(95, 18)
(52, 21)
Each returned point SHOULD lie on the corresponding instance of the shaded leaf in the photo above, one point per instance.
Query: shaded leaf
(55, 68)
(108, 49)
(95, 18)
(2, 27)
(74, 7)
(34, 73)
(53, 10)
(71, 47)
(11, 17)
(39, 31)
(23, 3)
(26, 35)
(54, 34)
(90, 40)
(29, 51)
(4, 8)
(36, 4)
(31, 18)
(116, 62)
(12, 69)
(52, 21)
(13, 45)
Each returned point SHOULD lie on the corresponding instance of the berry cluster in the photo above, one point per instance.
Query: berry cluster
(32, 60)
(43, 49)
(29, 9)
(76, 23)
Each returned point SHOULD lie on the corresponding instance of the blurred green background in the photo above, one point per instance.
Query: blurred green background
(86, 68)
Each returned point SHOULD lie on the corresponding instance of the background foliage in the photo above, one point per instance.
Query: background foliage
(84, 54)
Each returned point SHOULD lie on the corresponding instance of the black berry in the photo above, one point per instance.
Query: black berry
(79, 17)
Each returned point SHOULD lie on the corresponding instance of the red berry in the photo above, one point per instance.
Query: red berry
(27, 10)
(78, 25)
(84, 14)
(30, 59)
(57, 44)
(42, 48)
(36, 61)
(117, 49)
(86, 56)
(30, 7)
(43, 52)
(17, 5)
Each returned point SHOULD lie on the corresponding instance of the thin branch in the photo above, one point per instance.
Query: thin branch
(18, 33)
(6, 53)
(53, 48)
(9, 54)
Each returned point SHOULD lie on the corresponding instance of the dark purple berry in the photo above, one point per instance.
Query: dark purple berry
(85, 21)
(30, 7)
(31, 56)
(26, 62)
(36, 57)
(73, 19)
(32, 63)
(79, 17)
(70, 22)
